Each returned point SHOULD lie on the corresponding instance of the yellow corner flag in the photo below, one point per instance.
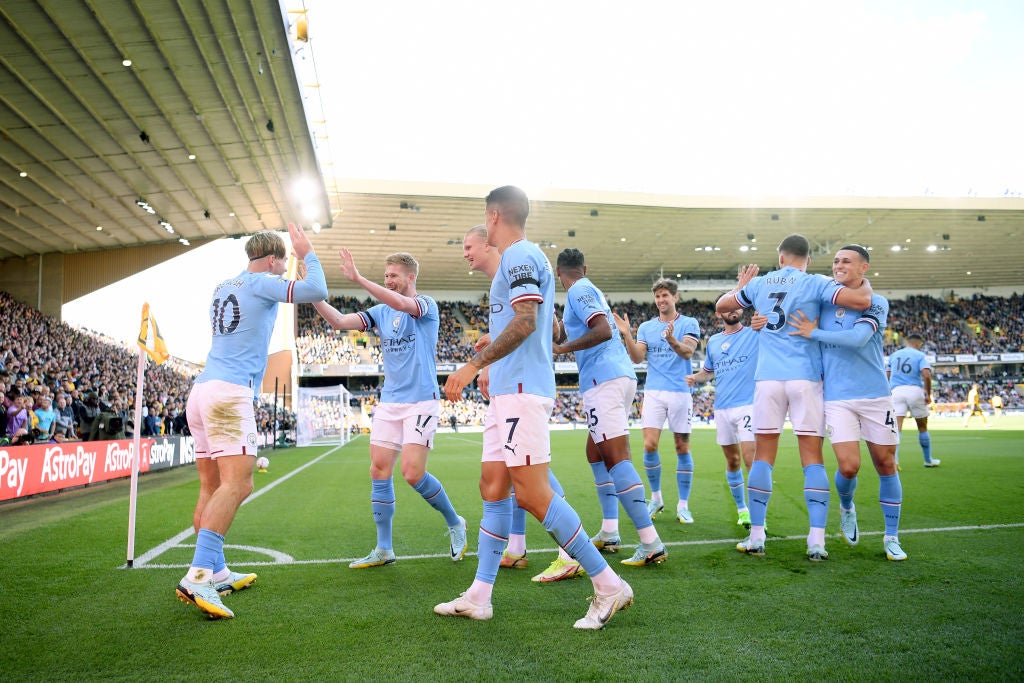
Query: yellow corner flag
(158, 353)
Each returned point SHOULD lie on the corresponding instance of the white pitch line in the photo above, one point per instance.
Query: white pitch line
(674, 544)
(142, 559)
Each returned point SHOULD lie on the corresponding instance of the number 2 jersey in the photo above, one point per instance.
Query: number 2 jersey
(778, 295)
(242, 317)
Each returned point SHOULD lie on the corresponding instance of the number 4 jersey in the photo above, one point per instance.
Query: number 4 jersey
(778, 295)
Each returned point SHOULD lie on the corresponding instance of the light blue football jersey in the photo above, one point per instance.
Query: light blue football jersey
(905, 367)
(666, 369)
(524, 274)
(242, 316)
(777, 295)
(853, 372)
(733, 359)
(408, 345)
(583, 303)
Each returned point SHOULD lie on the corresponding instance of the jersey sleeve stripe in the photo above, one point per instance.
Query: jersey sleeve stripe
(421, 307)
(594, 315)
(291, 292)
(869, 319)
(526, 297)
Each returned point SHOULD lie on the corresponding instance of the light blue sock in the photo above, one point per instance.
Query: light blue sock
(759, 491)
(925, 439)
(433, 492)
(518, 517)
(845, 488)
(494, 528)
(556, 486)
(209, 546)
(684, 474)
(564, 525)
(652, 466)
(890, 495)
(735, 480)
(606, 495)
(221, 564)
(630, 492)
(382, 502)
(817, 495)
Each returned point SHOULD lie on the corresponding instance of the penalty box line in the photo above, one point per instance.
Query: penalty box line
(144, 558)
(673, 544)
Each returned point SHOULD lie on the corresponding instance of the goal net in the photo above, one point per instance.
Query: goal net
(323, 415)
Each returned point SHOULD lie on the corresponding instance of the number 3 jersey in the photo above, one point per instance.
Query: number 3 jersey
(242, 317)
(778, 295)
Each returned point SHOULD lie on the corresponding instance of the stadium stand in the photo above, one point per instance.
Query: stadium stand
(86, 374)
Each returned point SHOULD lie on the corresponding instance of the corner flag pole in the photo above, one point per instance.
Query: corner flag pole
(136, 444)
(158, 352)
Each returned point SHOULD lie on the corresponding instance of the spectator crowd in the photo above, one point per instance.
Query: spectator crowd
(59, 382)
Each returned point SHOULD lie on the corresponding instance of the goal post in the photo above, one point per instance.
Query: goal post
(323, 415)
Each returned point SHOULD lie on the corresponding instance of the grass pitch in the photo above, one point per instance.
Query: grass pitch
(70, 611)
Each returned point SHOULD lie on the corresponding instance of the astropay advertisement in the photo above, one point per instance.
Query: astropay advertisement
(28, 470)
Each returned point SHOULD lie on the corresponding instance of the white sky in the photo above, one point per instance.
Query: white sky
(733, 98)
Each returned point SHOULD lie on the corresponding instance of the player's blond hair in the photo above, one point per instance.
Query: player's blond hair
(405, 260)
(263, 244)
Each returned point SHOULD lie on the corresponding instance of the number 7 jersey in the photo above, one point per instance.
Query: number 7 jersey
(778, 295)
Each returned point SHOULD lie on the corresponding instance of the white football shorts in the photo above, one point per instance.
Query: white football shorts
(608, 406)
(909, 397)
(871, 419)
(734, 425)
(801, 398)
(221, 418)
(396, 424)
(674, 406)
(516, 430)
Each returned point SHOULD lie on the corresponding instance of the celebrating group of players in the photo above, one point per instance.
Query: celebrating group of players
(817, 356)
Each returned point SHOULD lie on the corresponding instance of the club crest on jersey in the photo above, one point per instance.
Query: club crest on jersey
(725, 346)
(396, 322)
(840, 313)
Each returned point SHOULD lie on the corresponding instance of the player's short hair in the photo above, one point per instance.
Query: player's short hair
(864, 253)
(511, 202)
(264, 244)
(571, 258)
(665, 283)
(795, 245)
(478, 230)
(405, 260)
(914, 336)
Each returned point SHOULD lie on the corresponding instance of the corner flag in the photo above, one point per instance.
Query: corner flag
(158, 353)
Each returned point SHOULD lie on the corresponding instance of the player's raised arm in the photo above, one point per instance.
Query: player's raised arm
(337, 319)
(637, 352)
(728, 301)
(399, 302)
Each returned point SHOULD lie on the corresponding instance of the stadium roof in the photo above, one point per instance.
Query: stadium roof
(88, 141)
(632, 239)
(191, 108)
